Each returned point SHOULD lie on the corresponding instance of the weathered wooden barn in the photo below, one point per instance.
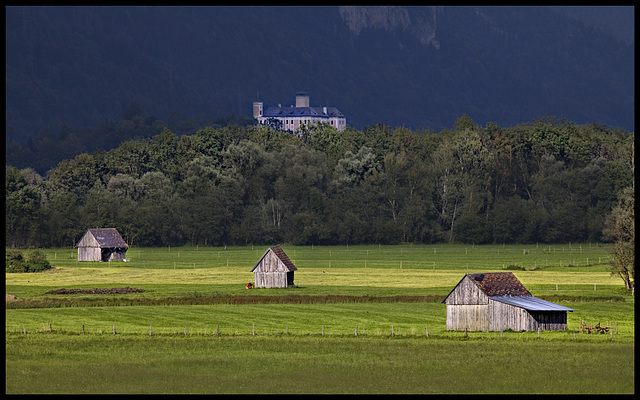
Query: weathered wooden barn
(274, 270)
(498, 301)
(102, 245)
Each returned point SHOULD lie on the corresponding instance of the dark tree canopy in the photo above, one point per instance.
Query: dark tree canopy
(545, 181)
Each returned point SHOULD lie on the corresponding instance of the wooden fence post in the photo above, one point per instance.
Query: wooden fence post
(322, 330)
(356, 330)
(83, 329)
(427, 330)
(218, 330)
(391, 329)
(149, 330)
(254, 329)
(114, 329)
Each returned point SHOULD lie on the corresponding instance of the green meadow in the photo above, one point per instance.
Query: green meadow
(360, 319)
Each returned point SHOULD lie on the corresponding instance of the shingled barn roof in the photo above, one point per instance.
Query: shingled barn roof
(499, 284)
(284, 258)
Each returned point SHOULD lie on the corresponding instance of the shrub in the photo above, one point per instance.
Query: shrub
(36, 262)
(14, 262)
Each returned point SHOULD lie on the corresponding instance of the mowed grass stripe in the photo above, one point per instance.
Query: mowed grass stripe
(380, 277)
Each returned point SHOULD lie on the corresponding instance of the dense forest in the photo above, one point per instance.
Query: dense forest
(547, 181)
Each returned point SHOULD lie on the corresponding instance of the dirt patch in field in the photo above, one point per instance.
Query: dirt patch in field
(96, 291)
(11, 297)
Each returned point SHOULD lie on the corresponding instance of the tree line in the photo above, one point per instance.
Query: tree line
(545, 181)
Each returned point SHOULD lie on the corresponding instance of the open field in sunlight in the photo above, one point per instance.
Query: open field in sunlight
(346, 327)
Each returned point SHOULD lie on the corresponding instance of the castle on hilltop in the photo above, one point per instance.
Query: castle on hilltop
(292, 118)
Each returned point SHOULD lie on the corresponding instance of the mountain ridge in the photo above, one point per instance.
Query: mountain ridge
(420, 67)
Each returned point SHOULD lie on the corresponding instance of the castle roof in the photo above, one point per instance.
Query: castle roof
(312, 112)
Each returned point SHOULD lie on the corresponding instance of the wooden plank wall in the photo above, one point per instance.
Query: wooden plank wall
(270, 279)
(504, 316)
(271, 272)
(472, 317)
(89, 254)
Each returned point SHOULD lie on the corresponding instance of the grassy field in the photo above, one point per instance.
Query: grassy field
(494, 257)
(361, 319)
(314, 364)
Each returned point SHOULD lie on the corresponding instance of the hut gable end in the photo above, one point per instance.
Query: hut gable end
(274, 269)
(274, 260)
(466, 292)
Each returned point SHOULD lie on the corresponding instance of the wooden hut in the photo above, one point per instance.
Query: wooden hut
(102, 245)
(498, 301)
(274, 269)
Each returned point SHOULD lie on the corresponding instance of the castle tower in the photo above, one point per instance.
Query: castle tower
(257, 109)
(302, 99)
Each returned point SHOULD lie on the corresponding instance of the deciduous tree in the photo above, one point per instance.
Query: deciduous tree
(620, 227)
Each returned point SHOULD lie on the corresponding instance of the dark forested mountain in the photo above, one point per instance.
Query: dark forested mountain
(419, 67)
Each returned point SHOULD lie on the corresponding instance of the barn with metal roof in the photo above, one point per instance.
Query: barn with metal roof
(497, 301)
(274, 269)
(104, 244)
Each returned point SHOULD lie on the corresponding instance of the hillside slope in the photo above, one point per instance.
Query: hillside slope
(421, 67)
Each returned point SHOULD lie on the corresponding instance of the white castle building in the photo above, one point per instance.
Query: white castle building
(292, 118)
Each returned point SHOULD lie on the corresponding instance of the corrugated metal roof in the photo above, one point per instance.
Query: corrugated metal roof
(499, 284)
(108, 238)
(530, 303)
